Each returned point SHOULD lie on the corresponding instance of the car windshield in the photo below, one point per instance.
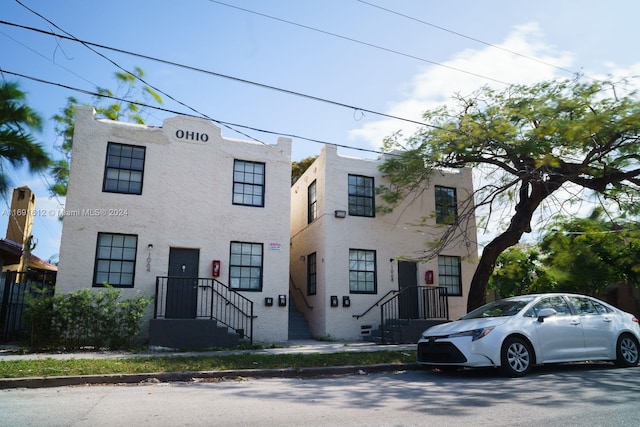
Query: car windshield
(502, 308)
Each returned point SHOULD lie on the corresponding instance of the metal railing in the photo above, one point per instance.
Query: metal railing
(293, 289)
(376, 304)
(14, 289)
(414, 303)
(204, 298)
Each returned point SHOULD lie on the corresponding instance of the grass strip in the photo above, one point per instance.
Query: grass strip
(54, 367)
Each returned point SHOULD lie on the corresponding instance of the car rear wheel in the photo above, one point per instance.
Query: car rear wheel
(516, 357)
(627, 351)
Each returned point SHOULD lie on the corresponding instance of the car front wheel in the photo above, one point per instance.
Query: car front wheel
(516, 357)
(627, 351)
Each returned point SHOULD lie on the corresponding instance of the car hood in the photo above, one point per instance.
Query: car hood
(464, 325)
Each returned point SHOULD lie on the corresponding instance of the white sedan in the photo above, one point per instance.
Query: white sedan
(520, 332)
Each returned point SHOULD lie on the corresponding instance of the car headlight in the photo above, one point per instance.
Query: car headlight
(475, 334)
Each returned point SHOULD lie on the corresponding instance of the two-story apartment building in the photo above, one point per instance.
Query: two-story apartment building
(213, 230)
(181, 213)
(350, 263)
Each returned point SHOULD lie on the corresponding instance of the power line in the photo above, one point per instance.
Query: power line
(166, 110)
(396, 52)
(71, 37)
(213, 73)
(468, 37)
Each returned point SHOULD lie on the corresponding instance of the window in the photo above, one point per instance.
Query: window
(361, 196)
(446, 205)
(557, 303)
(450, 275)
(587, 306)
(312, 200)
(362, 271)
(311, 274)
(115, 260)
(248, 183)
(245, 266)
(124, 169)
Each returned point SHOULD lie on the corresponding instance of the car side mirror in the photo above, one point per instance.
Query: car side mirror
(546, 312)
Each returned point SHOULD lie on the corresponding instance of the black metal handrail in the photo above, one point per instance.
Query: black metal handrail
(205, 298)
(376, 304)
(413, 303)
(292, 286)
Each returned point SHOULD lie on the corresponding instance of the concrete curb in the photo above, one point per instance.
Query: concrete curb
(62, 381)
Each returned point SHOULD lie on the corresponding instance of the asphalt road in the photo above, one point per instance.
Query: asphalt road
(570, 395)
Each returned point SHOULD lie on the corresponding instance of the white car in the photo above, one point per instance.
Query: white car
(520, 332)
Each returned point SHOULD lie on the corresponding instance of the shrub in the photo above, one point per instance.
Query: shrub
(84, 319)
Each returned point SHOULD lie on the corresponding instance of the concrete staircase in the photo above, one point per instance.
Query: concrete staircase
(191, 334)
(298, 325)
(405, 331)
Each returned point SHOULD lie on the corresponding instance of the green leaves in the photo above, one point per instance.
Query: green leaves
(17, 122)
(525, 143)
(121, 105)
(84, 318)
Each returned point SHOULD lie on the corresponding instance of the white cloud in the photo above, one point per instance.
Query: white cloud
(436, 85)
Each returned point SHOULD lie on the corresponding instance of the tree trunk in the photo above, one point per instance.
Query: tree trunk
(531, 195)
(478, 288)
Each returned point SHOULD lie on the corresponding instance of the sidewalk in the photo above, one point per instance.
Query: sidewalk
(290, 347)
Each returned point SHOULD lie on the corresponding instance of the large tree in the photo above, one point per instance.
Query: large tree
(551, 141)
(519, 271)
(121, 104)
(587, 255)
(299, 168)
(17, 124)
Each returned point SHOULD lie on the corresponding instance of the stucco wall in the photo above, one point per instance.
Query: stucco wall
(186, 202)
(392, 236)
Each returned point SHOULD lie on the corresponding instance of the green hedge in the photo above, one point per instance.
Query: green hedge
(84, 318)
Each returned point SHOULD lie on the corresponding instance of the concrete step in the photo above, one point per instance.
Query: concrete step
(298, 325)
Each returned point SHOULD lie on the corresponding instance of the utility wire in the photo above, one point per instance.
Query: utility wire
(166, 110)
(71, 37)
(468, 37)
(212, 73)
(396, 52)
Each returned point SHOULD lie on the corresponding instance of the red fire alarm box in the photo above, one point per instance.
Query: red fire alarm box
(215, 268)
(428, 277)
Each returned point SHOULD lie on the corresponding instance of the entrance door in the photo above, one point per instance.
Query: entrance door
(407, 285)
(182, 284)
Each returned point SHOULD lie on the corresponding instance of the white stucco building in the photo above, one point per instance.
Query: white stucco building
(212, 229)
(146, 203)
(347, 259)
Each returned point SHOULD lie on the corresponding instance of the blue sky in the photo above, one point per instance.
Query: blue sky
(346, 51)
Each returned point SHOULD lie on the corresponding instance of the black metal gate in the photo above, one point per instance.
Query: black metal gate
(14, 288)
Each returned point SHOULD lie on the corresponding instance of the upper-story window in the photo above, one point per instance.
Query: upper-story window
(312, 200)
(124, 169)
(446, 205)
(361, 196)
(248, 183)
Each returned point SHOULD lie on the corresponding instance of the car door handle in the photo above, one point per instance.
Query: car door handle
(606, 319)
(574, 322)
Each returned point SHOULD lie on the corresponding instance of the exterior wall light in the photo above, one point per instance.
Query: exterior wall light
(340, 214)
(346, 301)
(334, 300)
(268, 301)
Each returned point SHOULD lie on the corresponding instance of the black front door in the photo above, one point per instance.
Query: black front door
(408, 287)
(182, 284)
